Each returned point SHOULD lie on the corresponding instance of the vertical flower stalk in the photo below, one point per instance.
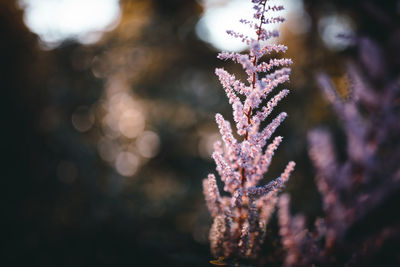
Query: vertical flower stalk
(240, 220)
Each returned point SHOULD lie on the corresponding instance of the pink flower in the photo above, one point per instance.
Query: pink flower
(240, 220)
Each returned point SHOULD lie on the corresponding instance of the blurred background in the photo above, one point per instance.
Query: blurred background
(108, 120)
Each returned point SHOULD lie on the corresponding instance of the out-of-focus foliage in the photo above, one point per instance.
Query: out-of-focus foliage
(105, 146)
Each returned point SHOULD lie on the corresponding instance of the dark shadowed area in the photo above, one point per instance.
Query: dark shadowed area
(107, 133)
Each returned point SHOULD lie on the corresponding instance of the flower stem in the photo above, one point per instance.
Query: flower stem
(253, 85)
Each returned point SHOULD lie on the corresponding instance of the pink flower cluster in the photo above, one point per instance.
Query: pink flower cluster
(240, 220)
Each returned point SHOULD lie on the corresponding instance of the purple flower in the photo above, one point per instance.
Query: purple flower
(240, 220)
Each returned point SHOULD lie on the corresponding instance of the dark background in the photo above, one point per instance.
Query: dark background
(64, 205)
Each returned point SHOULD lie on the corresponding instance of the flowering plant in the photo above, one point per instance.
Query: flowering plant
(240, 220)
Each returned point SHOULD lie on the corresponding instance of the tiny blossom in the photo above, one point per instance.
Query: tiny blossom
(244, 159)
(276, 184)
(267, 205)
(237, 198)
(228, 89)
(229, 80)
(226, 132)
(255, 49)
(240, 117)
(240, 219)
(218, 147)
(266, 35)
(274, 48)
(217, 232)
(263, 162)
(247, 64)
(212, 195)
(248, 22)
(244, 38)
(253, 214)
(253, 99)
(266, 110)
(229, 55)
(270, 129)
(276, 76)
(265, 67)
(268, 85)
(277, 19)
(229, 176)
(244, 239)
